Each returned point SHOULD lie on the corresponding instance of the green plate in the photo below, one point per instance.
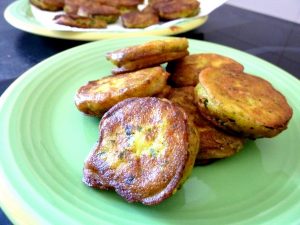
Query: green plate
(45, 140)
(19, 15)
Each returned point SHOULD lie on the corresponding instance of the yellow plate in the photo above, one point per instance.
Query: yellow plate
(19, 15)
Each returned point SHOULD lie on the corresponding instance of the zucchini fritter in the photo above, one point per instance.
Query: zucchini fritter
(48, 5)
(242, 103)
(185, 71)
(91, 9)
(174, 9)
(214, 143)
(138, 19)
(148, 54)
(145, 152)
(97, 96)
(81, 22)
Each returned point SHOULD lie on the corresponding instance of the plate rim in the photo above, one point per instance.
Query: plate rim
(39, 29)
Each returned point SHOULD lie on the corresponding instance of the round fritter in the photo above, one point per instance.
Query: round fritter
(242, 103)
(96, 97)
(49, 5)
(185, 71)
(91, 9)
(81, 22)
(138, 19)
(146, 150)
(214, 143)
(148, 54)
(174, 9)
(126, 6)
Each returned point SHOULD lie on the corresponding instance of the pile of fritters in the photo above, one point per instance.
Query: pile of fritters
(99, 13)
(158, 123)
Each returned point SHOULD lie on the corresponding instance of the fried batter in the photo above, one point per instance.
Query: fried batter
(91, 9)
(138, 19)
(98, 96)
(81, 22)
(214, 143)
(242, 103)
(174, 9)
(49, 5)
(185, 71)
(138, 154)
(126, 6)
(148, 54)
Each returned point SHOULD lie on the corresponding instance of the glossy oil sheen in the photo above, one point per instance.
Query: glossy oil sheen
(44, 141)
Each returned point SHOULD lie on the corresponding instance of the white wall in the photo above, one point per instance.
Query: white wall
(284, 9)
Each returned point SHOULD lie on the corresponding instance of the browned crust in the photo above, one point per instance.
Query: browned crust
(214, 143)
(49, 5)
(138, 19)
(242, 103)
(149, 49)
(170, 10)
(96, 97)
(81, 22)
(185, 71)
(140, 178)
(148, 61)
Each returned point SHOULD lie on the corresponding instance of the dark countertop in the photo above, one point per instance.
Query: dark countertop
(274, 40)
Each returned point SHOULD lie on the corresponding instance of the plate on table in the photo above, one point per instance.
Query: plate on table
(20, 15)
(45, 140)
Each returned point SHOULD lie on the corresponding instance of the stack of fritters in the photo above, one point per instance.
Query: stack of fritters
(215, 143)
(152, 133)
(99, 13)
(88, 14)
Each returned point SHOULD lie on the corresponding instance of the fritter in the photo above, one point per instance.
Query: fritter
(48, 5)
(174, 9)
(185, 71)
(242, 103)
(214, 143)
(126, 6)
(81, 22)
(97, 96)
(139, 19)
(91, 9)
(148, 54)
(146, 150)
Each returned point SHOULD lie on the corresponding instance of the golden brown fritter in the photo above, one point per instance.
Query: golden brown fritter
(148, 54)
(96, 97)
(185, 71)
(145, 152)
(214, 143)
(91, 9)
(242, 103)
(174, 9)
(81, 22)
(126, 6)
(138, 19)
(48, 5)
